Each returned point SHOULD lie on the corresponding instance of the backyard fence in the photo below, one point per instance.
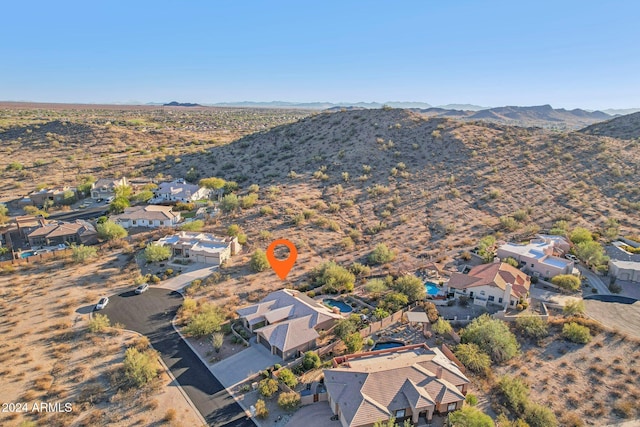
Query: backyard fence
(34, 259)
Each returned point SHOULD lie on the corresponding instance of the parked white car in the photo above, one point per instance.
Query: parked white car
(102, 303)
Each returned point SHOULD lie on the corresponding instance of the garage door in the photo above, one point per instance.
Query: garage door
(624, 276)
(211, 260)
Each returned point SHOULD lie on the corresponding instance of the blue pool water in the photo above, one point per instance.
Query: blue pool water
(344, 307)
(432, 288)
(388, 344)
(27, 254)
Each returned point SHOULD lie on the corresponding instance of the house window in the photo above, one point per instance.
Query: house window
(500, 300)
(512, 303)
(451, 407)
(134, 222)
(491, 298)
(531, 265)
(481, 292)
(400, 413)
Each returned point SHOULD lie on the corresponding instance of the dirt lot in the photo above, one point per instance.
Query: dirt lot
(599, 382)
(48, 355)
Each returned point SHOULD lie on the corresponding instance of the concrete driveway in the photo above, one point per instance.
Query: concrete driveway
(150, 314)
(188, 275)
(315, 415)
(246, 363)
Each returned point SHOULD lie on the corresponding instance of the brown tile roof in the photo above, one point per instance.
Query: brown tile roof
(148, 212)
(61, 229)
(493, 274)
(371, 386)
(289, 334)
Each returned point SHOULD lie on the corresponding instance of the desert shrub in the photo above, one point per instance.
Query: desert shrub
(98, 323)
(591, 252)
(266, 210)
(485, 248)
(212, 183)
(375, 286)
(515, 394)
(512, 262)
(469, 416)
(154, 252)
(261, 409)
(381, 254)
(579, 235)
(286, 376)
(576, 333)
(532, 327)
(574, 308)
(344, 328)
(537, 415)
(140, 367)
(182, 207)
(289, 400)
(196, 225)
(333, 278)
(119, 204)
(492, 336)
(83, 253)
(354, 342)
(109, 230)
(311, 360)
(411, 286)
(393, 302)
(229, 203)
(441, 326)
(431, 310)
(259, 261)
(207, 320)
(217, 339)
(509, 223)
(471, 399)
(248, 201)
(170, 415)
(473, 358)
(267, 387)
(360, 269)
(566, 281)
(141, 343)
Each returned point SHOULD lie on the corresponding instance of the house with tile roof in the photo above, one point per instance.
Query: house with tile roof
(55, 233)
(542, 257)
(287, 322)
(413, 383)
(201, 247)
(495, 283)
(150, 216)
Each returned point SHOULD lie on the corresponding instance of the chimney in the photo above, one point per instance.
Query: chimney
(507, 294)
(439, 372)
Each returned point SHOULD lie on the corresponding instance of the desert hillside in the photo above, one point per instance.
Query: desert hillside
(341, 182)
(625, 127)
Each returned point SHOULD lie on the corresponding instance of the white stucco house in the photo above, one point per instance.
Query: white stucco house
(179, 191)
(105, 187)
(625, 270)
(542, 256)
(150, 216)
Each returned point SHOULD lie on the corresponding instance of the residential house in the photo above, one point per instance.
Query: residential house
(201, 247)
(541, 256)
(28, 223)
(413, 383)
(51, 196)
(105, 187)
(624, 270)
(150, 216)
(495, 283)
(60, 232)
(179, 191)
(287, 322)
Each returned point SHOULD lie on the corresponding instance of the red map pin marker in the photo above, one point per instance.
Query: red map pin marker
(282, 266)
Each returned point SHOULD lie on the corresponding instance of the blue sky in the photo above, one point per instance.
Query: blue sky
(563, 52)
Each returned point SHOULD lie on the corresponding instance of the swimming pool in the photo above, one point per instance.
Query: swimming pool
(27, 254)
(342, 306)
(432, 288)
(387, 344)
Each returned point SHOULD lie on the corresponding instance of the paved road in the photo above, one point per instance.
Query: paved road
(151, 314)
(89, 213)
(594, 280)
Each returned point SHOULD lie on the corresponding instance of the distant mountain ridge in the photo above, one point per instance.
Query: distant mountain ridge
(322, 105)
(540, 115)
(181, 104)
(623, 127)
